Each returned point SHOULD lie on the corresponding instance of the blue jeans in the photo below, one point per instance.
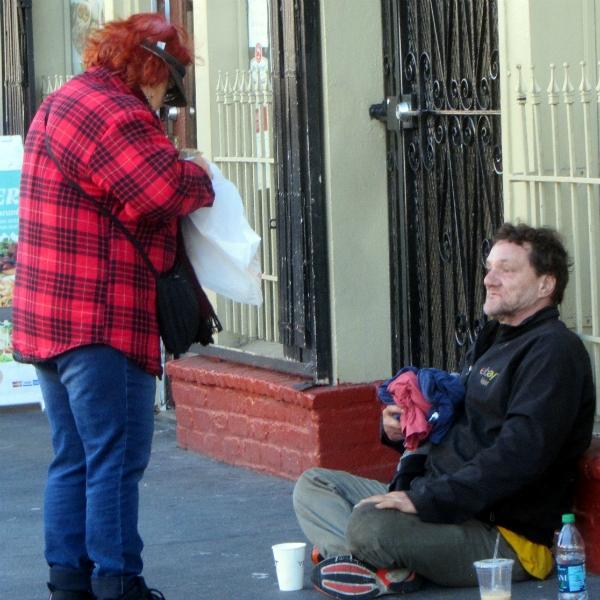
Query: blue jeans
(101, 411)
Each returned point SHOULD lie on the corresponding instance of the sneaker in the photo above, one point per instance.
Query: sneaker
(69, 595)
(140, 591)
(346, 577)
(316, 556)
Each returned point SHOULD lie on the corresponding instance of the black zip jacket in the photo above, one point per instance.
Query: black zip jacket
(511, 456)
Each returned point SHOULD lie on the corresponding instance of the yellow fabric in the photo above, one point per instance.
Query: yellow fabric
(535, 558)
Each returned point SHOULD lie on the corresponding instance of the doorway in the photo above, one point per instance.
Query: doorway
(442, 109)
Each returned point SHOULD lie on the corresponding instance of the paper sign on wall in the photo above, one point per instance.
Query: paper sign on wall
(18, 382)
(11, 161)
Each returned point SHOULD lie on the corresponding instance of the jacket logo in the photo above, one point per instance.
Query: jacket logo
(487, 375)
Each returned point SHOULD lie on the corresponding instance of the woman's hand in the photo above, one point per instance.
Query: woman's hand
(391, 423)
(201, 162)
(394, 500)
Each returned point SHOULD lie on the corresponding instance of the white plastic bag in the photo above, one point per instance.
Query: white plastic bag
(222, 246)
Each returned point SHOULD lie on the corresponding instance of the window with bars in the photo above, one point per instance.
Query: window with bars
(269, 145)
(245, 156)
(555, 181)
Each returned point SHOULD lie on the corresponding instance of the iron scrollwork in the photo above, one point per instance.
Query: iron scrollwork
(410, 67)
(478, 326)
(461, 330)
(498, 160)
(486, 247)
(438, 94)
(425, 68)
(413, 156)
(486, 135)
(456, 131)
(468, 131)
(456, 197)
(446, 246)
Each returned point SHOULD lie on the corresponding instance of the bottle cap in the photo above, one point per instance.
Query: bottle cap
(568, 518)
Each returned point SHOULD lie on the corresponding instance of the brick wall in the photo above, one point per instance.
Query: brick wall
(266, 421)
(587, 505)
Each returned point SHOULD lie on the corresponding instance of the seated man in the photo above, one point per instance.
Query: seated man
(506, 465)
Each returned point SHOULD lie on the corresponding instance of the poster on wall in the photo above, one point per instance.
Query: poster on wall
(11, 159)
(86, 16)
(258, 39)
(259, 55)
(18, 382)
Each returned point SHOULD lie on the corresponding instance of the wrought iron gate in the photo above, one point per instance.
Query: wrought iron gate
(445, 163)
(18, 101)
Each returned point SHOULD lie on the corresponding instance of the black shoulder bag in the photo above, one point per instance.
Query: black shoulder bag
(184, 313)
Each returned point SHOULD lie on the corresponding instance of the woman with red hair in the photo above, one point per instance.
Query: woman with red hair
(84, 309)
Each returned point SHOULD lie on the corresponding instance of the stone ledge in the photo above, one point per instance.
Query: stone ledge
(267, 421)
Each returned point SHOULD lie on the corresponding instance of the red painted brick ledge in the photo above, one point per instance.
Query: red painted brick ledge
(256, 418)
(587, 504)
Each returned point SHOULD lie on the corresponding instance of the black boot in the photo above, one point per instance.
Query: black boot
(70, 594)
(140, 591)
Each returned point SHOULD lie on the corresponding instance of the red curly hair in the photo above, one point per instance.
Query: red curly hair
(117, 46)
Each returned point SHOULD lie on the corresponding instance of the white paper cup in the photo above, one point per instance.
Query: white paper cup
(289, 564)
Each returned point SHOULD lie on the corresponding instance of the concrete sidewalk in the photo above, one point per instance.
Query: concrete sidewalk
(208, 527)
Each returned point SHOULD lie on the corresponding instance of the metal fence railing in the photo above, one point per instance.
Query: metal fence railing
(245, 156)
(556, 175)
(50, 83)
(18, 89)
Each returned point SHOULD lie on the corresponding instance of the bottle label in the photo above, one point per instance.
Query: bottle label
(571, 578)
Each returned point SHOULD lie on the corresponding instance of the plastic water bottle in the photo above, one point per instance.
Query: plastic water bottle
(570, 559)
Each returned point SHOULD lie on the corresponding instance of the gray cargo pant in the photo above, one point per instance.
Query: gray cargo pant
(324, 501)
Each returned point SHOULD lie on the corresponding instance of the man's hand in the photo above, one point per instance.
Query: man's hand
(391, 422)
(396, 500)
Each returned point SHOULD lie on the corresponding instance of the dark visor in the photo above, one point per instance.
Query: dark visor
(175, 95)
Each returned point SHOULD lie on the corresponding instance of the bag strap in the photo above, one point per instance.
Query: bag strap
(102, 208)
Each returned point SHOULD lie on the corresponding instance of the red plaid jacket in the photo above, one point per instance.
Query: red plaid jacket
(79, 280)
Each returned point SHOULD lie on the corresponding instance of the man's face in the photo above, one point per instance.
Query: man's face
(514, 291)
